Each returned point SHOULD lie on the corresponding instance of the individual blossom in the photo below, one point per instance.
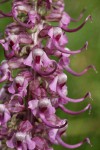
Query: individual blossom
(44, 109)
(21, 139)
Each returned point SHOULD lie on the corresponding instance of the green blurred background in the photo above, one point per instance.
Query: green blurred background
(83, 125)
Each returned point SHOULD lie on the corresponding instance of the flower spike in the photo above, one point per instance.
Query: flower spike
(34, 82)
